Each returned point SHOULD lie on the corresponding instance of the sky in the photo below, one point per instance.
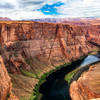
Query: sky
(35, 9)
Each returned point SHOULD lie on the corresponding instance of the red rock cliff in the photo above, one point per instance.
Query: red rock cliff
(5, 83)
(92, 33)
(87, 87)
(49, 44)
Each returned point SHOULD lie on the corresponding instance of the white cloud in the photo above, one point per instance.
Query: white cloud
(26, 9)
(23, 15)
(23, 9)
(80, 8)
(14, 2)
(54, 1)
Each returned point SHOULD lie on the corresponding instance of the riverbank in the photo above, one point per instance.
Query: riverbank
(80, 71)
(75, 74)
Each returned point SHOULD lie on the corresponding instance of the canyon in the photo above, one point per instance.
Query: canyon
(30, 49)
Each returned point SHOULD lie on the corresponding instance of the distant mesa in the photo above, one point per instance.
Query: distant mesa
(61, 19)
(5, 19)
(71, 21)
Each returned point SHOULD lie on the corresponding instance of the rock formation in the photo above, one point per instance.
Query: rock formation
(46, 43)
(5, 83)
(5, 19)
(87, 87)
(38, 48)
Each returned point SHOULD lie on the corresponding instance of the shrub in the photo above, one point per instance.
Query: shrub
(29, 74)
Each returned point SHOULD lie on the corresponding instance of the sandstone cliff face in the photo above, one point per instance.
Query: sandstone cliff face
(92, 33)
(5, 83)
(47, 44)
(87, 87)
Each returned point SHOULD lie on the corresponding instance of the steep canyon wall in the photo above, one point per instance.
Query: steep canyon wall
(47, 43)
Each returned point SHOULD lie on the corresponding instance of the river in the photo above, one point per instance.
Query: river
(55, 87)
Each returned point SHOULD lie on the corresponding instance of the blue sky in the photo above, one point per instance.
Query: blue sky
(51, 9)
(33, 9)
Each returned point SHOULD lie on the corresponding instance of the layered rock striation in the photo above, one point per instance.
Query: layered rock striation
(87, 87)
(5, 83)
(46, 43)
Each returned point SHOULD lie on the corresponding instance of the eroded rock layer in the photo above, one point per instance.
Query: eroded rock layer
(46, 43)
(87, 87)
(5, 83)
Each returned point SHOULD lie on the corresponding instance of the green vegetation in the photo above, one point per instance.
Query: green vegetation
(27, 73)
(94, 51)
(81, 57)
(32, 97)
(24, 84)
(36, 93)
(24, 98)
(29, 61)
(70, 75)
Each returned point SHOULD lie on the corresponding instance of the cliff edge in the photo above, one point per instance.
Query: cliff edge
(5, 84)
(87, 87)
